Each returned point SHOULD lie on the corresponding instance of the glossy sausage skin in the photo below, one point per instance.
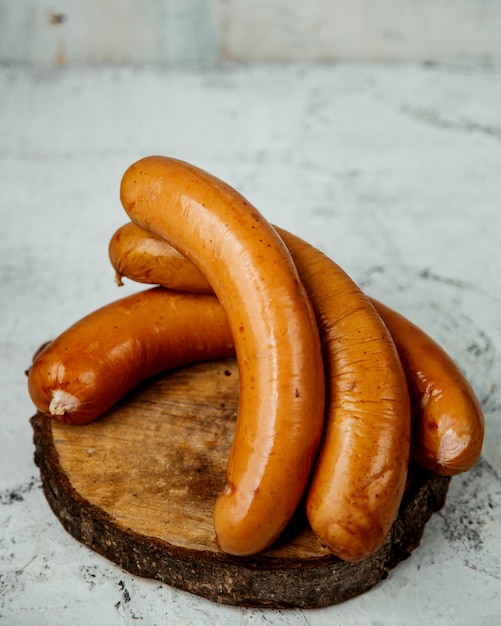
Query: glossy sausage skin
(91, 365)
(361, 471)
(281, 402)
(131, 244)
(447, 419)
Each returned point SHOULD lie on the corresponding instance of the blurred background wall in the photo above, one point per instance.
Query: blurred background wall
(211, 31)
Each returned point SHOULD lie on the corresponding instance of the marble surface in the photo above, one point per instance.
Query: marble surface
(393, 170)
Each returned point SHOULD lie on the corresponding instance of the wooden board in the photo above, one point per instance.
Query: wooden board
(138, 487)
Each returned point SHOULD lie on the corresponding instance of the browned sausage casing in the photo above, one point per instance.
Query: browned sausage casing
(92, 364)
(281, 404)
(447, 419)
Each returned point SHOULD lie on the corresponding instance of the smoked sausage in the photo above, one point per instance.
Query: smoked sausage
(277, 345)
(447, 419)
(146, 258)
(91, 365)
(361, 470)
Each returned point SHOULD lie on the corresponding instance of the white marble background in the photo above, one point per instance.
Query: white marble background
(392, 169)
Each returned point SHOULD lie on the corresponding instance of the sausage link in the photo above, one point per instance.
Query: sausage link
(130, 245)
(91, 365)
(447, 419)
(361, 470)
(281, 403)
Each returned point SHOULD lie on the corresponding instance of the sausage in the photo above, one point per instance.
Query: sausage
(361, 470)
(360, 474)
(131, 244)
(91, 365)
(277, 345)
(447, 419)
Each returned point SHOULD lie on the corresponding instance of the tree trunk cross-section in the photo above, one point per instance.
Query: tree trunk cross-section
(138, 486)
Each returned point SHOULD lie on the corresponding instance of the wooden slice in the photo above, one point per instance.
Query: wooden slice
(138, 486)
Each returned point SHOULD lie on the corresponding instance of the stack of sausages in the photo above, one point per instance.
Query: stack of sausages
(337, 391)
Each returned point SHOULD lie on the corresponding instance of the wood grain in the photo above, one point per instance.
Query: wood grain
(138, 486)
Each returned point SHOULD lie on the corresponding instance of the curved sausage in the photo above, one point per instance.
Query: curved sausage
(447, 419)
(130, 245)
(91, 365)
(361, 471)
(281, 404)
